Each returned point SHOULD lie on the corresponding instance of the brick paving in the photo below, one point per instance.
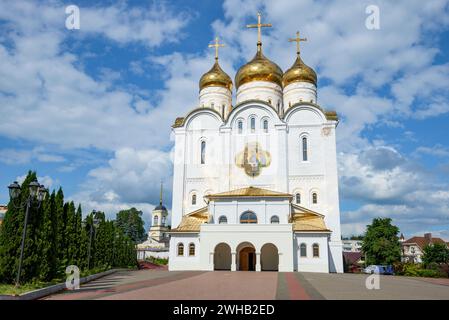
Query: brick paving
(224, 285)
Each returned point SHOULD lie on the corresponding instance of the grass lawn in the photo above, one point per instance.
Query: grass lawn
(10, 289)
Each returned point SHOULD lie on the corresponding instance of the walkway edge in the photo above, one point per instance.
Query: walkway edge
(40, 293)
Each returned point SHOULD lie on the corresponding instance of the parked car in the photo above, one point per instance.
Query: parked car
(379, 269)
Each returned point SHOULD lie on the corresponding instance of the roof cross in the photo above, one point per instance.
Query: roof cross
(216, 45)
(259, 27)
(297, 40)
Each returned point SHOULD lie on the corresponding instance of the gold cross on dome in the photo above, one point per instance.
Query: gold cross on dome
(297, 40)
(216, 45)
(259, 26)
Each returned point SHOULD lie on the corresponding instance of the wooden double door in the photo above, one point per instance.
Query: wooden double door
(247, 259)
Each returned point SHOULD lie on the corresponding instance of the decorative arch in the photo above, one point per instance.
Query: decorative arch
(274, 219)
(192, 115)
(305, 106)
(222, 257)
(246, 256)
(237, 110)
(269, 257)
(180, 249)
(248, 217)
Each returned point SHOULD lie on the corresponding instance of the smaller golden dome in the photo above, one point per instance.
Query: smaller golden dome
(216, 77)
(299, 72)
(259, 69)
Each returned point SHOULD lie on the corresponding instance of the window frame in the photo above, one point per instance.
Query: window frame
(301, 247)
(180, 248)
(192, 245)
(221, 218)
(248, 220)
(275, 217)
(315, 246)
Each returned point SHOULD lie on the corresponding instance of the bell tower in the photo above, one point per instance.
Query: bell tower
(159, 227)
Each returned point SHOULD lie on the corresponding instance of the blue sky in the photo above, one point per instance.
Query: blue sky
(91, 109)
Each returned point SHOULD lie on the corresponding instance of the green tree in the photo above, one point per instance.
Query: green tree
(381, 243)
(131, 223)
(435, 253)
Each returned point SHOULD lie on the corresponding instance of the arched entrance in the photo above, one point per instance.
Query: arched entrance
(246, 257)
(222, 257)
(269, 257)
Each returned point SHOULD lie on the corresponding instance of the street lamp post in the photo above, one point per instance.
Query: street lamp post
(37, 193)
(93, 226)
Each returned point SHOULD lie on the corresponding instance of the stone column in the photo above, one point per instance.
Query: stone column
(211, 261)
(234, 262)
(258, 266)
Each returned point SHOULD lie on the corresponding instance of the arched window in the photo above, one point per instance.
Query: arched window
(265, 126)
(191, 249)
(248, 217)
(240, 126)
(269, 101)
(156, 220)
(163, 221)
(316, 250)
(314, 198)
(303, 250)
(203, 152)
(253, 125)
(180, 249)
(304, 149)
(222, 220)
(298, 198)
(274, 219)
(193, 199)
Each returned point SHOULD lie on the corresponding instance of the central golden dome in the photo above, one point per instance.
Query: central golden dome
(299, 72)
(259, 69)
(216, 77)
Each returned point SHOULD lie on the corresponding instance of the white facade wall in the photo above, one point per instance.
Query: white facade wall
(287, 171)
(257, 235)
(217, 98)
(299, 92)
(184, 262)
(311, 263)
(261, 90)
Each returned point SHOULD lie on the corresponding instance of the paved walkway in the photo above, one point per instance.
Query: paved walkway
(224, 285)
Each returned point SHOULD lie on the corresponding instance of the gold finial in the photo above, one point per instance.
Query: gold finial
(259, 26)
(160, 197)
(216, 45)
(297, 40)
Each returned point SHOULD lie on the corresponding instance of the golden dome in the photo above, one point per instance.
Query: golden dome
(259, 69)
(299, 72)
(215, 77)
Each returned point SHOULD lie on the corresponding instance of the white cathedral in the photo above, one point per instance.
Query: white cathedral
(255, 182)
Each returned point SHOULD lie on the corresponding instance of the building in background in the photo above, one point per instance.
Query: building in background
(352, 245)
(156, 245)
(412, 249)
(3, 210)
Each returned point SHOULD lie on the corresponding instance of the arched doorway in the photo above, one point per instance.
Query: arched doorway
(269, 257)
(246, 257)
(222, 257)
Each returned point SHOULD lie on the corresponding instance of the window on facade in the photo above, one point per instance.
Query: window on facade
(314, 198)
(253, 125)
(316, 250)
(156, 220)
(248, 217)
(304, 149)
(193, 199)
(303, 250)
(240, 126)
(274, 219)
(222, 220)
(180, 249)
(191, 249)
(163, 221)
(212, 105)
(269, 102)
(265, 126)
(203, 152)
(298, 198)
